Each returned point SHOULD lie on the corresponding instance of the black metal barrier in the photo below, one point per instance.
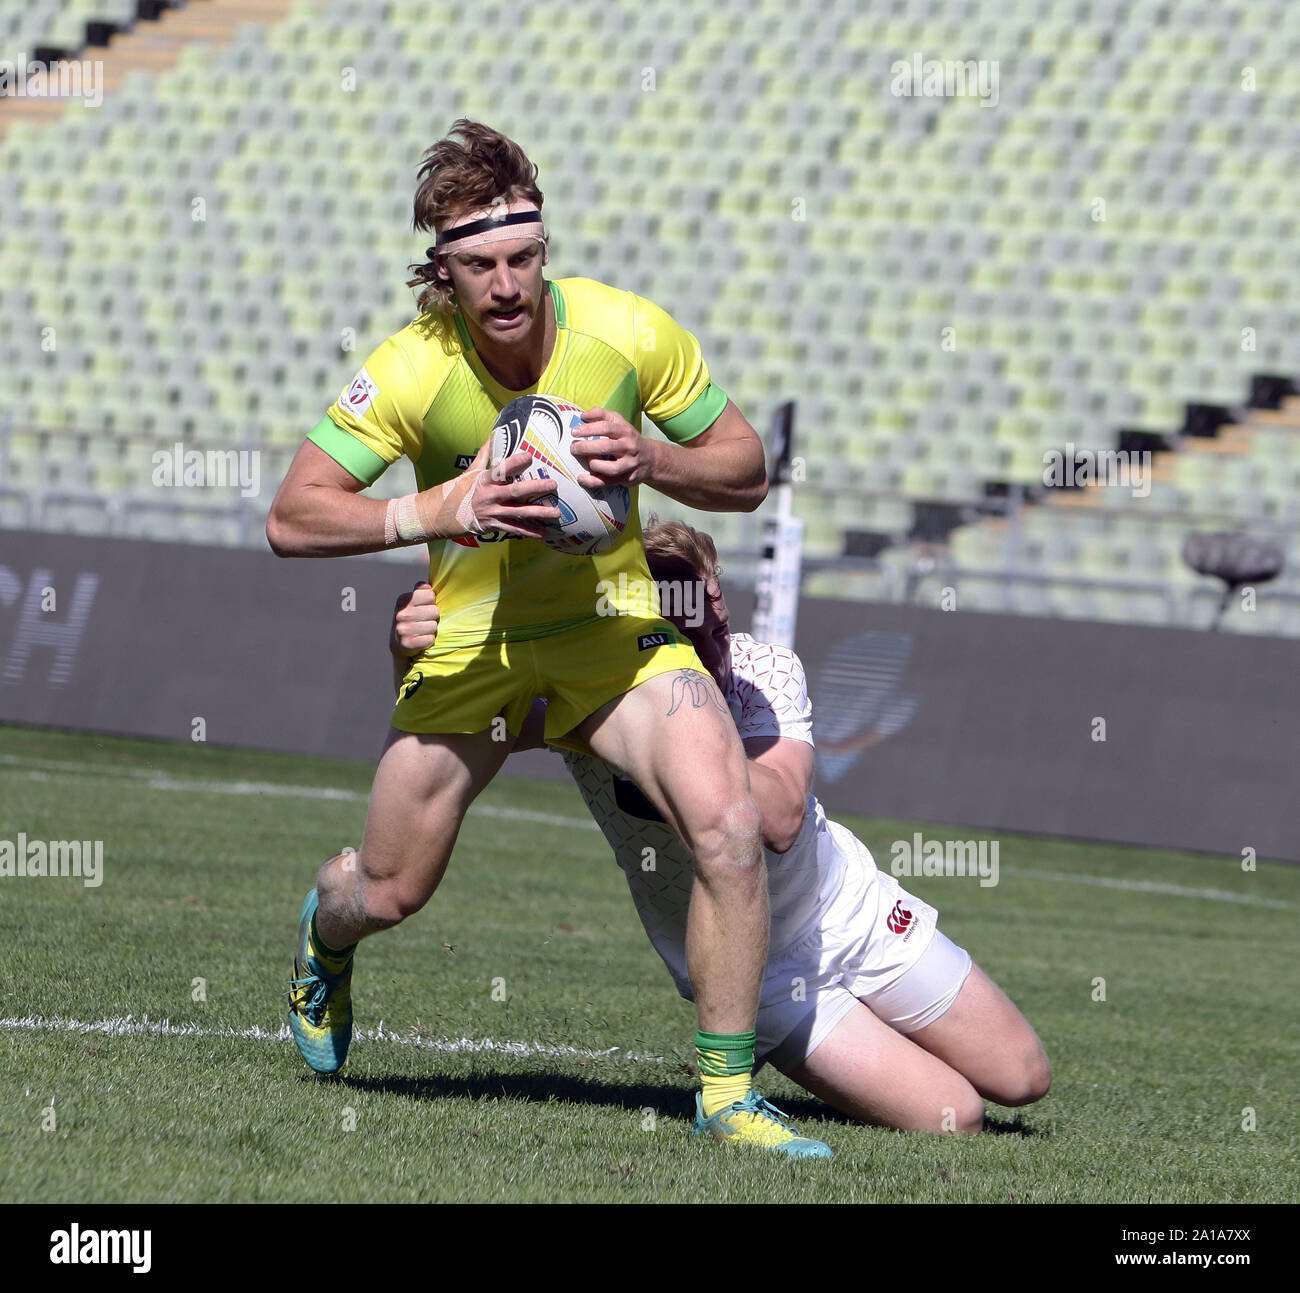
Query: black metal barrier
(1146, 736)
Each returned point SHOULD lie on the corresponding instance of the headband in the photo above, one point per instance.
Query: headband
(494, 228)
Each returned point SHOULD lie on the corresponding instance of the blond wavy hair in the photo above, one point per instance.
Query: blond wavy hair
(468, 170)
(670, 545)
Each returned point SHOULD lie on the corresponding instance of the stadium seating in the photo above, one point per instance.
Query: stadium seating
(950, 289)
(58, 24)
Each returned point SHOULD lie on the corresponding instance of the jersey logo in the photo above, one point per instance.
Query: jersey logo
(648, 640)
(472, 541)
(631, 800)
(899, 919)
(361, 394)
(412, 687)
(463, 461)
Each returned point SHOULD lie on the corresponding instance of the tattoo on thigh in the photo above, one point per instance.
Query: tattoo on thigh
(688, 685)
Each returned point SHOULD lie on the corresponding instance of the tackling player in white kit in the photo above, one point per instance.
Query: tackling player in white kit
(865, 1003)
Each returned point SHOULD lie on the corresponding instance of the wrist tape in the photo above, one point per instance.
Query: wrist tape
(443, 512)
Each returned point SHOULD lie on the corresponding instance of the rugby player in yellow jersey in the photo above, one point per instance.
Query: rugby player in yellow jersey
(519, 620)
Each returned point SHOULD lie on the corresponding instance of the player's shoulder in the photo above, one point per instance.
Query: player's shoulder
(759, 662)
(596, 307)
(423, 352)
(592, 292)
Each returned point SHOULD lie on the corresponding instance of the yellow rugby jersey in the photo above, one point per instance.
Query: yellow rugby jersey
(425, 393)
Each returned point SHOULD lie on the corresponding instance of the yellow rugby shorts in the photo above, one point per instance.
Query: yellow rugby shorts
(462, 689)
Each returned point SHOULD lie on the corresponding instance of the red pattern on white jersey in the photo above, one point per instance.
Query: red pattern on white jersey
(767, 691)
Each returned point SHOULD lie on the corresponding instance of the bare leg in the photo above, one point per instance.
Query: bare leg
(674, 736)
(422, 789)
(983, 1036)
(868, 1071)
(932, 1079)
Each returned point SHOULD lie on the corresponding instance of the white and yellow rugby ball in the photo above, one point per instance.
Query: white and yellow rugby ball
(591, 520)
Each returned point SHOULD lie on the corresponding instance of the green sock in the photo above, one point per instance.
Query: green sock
(726, 1067)
(331, 960)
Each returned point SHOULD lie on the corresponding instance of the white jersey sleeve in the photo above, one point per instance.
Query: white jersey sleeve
(767, 691)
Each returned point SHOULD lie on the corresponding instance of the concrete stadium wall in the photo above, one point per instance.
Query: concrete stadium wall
(1133, 735)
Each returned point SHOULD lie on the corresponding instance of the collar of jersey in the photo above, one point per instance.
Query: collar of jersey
(503, 394)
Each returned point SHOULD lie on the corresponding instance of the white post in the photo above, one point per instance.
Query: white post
(776, 611)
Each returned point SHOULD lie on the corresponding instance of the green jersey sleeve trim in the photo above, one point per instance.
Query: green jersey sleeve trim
(557, 299)
(346, 450)
(697, 419)
(463, 332)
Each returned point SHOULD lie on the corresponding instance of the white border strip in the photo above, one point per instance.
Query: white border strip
(149, 780)
(129, 1026)
(154, 781)
(1151, 886)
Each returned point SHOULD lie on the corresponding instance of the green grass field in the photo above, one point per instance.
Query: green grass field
(204, 872)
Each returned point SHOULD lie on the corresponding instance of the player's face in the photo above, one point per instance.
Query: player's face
(499, 287)
(711, 638)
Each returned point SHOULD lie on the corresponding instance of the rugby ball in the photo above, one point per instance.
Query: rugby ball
(544, 427)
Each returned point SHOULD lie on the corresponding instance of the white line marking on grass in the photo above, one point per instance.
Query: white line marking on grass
(66, 765)
(527, 815)
(129, 1026)
(156, 781)
(256, 788)
(151, 780)
(1152, 886)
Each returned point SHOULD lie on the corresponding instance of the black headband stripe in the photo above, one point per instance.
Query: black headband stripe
(483, 226)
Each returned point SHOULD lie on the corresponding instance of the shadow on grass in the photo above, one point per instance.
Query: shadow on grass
(542, 1088)
(664, 1099)
(1013, 1127)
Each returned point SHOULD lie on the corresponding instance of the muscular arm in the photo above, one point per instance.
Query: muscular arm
(721, 470)
(317, 511)
(780, 775)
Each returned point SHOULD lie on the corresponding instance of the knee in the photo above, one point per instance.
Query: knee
(1030, 1082)
(964, 1117)
(389, 902)
(361, 898)
(1038, 1078)
(730, 834)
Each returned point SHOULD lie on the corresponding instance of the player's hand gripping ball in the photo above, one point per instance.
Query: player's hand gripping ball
(591, 520)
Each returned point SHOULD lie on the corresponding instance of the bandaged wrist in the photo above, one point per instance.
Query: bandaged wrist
(444, 512)
(406, 516)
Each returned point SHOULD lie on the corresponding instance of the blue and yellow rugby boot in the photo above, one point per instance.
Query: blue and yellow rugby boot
(752, 1121)
(320, 997)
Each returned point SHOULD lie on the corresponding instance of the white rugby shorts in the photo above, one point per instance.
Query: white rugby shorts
(875, 943)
